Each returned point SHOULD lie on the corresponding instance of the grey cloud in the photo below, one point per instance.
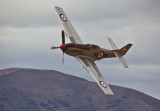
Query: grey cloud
(29, 28)
(22, 13)
(111, 10)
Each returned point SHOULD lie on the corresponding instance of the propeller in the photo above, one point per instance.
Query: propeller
(55, 47)
(63, 37)
(63, 58)
(63, 46)
(63, 42)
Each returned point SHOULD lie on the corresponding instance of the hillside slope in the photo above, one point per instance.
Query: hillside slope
(46, 90)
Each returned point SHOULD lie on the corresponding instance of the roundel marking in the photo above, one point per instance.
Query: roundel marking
(103, 84)
(123, 50)
(63, 17)
(100, 54)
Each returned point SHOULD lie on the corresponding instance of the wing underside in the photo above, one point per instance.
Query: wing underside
(92, 68)
(68, 28)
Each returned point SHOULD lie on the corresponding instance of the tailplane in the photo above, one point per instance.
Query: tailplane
(120, 52)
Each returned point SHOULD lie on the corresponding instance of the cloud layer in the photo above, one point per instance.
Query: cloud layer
(29, 28)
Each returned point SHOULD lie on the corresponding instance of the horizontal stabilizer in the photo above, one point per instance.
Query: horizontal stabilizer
(120, 52)
(113, 45)
(121, 58)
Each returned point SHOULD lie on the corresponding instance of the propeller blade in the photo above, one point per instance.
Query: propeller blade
(55, 47)
(63, 37)
(63, 58)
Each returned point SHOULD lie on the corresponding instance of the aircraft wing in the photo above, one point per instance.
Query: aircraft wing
(68, 28)
(92, 68)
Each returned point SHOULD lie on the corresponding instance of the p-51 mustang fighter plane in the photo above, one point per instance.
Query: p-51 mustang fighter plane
(86, 54)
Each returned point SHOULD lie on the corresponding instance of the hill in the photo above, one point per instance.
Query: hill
(47, 90)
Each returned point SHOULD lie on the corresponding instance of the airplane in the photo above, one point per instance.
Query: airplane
(86, 54)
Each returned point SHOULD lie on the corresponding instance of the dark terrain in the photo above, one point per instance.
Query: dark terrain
(47, 90)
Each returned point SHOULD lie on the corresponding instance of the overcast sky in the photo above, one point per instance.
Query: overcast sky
(28, 28)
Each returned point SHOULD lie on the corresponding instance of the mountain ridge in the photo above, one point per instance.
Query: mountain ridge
(44, 90)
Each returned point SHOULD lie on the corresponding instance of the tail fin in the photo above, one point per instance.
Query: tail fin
(120, 52)
(125, 49)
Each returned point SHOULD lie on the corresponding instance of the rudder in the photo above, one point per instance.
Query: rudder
(125, 49)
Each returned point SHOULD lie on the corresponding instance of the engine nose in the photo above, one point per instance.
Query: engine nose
(63, 47)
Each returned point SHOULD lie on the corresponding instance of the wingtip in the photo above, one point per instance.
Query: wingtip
(56, 7)
(127, 67)
(110, 94)
(108, 38)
